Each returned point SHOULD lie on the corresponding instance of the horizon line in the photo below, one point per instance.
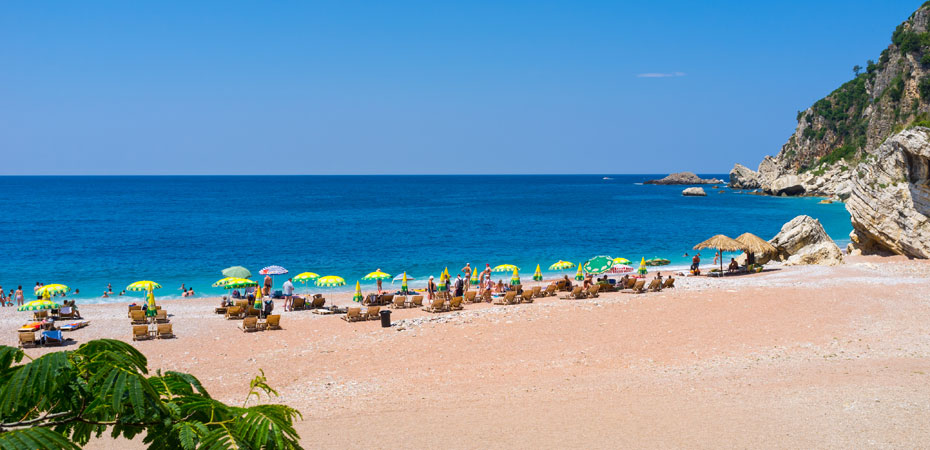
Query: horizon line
(352, 174)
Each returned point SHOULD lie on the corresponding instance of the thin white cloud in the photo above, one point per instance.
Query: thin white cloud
(661, 75)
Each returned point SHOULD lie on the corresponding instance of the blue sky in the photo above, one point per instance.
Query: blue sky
(418, 87)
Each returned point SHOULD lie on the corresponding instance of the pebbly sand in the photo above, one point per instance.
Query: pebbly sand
(798, 357)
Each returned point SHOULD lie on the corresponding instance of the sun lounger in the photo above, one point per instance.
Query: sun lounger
(74, 325)
(508, 298)
(133, 308)
(233, 312)
(563, 285)
(161, 316)
(387, 299)
(400, 301)
(373, 313)
(273, 322)
(527, 296)
(220, 310)
(253, 312)
(456, 303)
(593, 290)
(577, 293)
(67, 312)
(438, 305)
(249, 324)
(140, 332)
(416, 301)
(353, 314)
(638, 287)
(655, 285)
(52, 337)
(27, 338)
(242, 303)
(669, 283)
(471, 297)
(138, 317)
(39, 315)
(550, 290)
(537, 291)
(318, 302)
(164, 331)
(299, 304)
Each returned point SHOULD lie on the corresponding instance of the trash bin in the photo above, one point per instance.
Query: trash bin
(385, 319)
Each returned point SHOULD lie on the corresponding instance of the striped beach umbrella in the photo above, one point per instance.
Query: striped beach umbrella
(38, 305)
(403, 283)
(236, 283)
(51, 289)
(273, 270)
(515, 278)
(144, 285)
(152, 309)
(330, 281)
(538, 275)
(358, 293)
(377, 275)
(642, 267)
(222, 281)
(579, 275)
(305, 277)
(562, 265)
(474, 278)
(505, 268)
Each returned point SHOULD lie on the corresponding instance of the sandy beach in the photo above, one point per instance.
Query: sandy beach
(796, 357)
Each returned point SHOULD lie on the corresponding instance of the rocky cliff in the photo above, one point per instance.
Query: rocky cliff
(849, 124)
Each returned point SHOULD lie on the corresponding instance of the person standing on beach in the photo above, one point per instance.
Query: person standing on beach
(459, 288)
(379, 286)
(430, 288)
(288, 295)
(486, 272)
(267, 283)
(467, 271)
(695, 262)
(717, 257)
(19, 296)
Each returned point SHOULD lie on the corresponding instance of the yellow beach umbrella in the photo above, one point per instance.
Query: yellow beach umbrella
(579, 275)
(38, 305)
(144, 285)
(474, 277)
(330, 281)
(152, 309)
(377, 275)
(223, 281)
(515, 278)
(562, 265)
(621, 261)
(642, 267)
(403, 283)
(52, 289)
(358, 293)
(538, 275)
(505, 268)
(305, 277)
(235, 283)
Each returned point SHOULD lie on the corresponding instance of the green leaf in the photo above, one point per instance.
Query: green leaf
(35, 438)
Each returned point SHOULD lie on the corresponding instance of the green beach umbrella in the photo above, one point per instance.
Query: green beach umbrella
(515, 278)
(377, 275)
(144, 285)
(330, 281)
(579, 276)
(237, 272)
(598, 265)
(642, 267)
(505, 268)
(305, 277)
(403, 283)
(538, 275)
(442, 280)
(562, 265)
(236, 283)
(621, 261)
(152, 309)
(52, 289)
(474, 277)
(358, 293)
(38, 305)
(223, 281)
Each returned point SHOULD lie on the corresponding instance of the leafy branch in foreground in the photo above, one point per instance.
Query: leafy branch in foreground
(60, 400)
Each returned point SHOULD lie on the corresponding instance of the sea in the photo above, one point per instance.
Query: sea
(89, 232)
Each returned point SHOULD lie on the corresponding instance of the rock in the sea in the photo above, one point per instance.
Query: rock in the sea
(890, 200)
(742, 177)
(804, 241)
(786, 185)
(694, 192)
(684, 178)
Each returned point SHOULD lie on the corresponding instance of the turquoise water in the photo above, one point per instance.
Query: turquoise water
(89, 231)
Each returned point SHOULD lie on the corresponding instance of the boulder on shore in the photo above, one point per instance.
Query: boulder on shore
(694, 192)
(684, 178)
(890, 199)
(804, 241)
(742, 177)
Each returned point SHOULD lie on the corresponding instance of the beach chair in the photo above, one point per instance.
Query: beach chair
(67, 312)
(669, 283)
(140, 332)
(592, 291)
(562, 285)
(252, 312)
(353, 314)
(508, 298)
(400, 302)
(577, 293)
(456, 303)
(220, 310)
(38, 316)
(387, 299)
(137, 317)
(273, 322)
(317, 302)
(249, 324)
(242, 304)
(416, 301)
(52, 337)
(654, 285)
(487, 296)
(133, 308)
(550, 290)
(638, 287)
(438, 305)
(27, 339)
(161, 316)
(527, 296)
(164, 331)
(373, 313)
(537, 292)
(233, 313)
(299, 304)
(471, 297)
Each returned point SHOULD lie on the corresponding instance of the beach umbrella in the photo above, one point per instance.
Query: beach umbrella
(642, 267)
(237, 272)
(722, 244)
(621, 261)
(505, 268)
(538, 275)
(474, 277)
(236, 283)
(515, 278)
(401, 277)
(222, 281)
(358, 293)
(330, 281)
(305, 277)
(755, 244)
(620, 268)
(377, 275)
(562, 265)
(52, 289)
(442, 279)
(403, 283)
(152, 309)
(273, 270)
(38, 305)
(579, 275)
(144, 285)
(598, 264)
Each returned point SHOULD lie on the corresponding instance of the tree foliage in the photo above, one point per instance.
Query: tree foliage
(60, 400)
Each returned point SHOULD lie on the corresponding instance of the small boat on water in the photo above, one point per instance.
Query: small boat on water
(607, 178)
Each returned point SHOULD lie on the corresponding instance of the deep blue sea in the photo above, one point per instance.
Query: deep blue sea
(89, 231)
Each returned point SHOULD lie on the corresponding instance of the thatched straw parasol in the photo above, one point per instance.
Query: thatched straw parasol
(755, 244)
(723, 244)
